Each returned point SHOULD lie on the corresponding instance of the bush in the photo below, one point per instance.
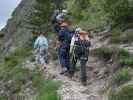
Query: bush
(122, 53)
(121, 37)
(121, 76)
(14, 78)
(17, 56)
(104, 53)
(127, 62)
(125, 93)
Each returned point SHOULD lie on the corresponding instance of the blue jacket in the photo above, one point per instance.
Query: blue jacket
(64, 35)
(41, 41)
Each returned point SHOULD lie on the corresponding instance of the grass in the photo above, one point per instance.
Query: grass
(124, 93)
(122, 56)
(121, 76)
(104, 53)
(14, 78)
(121, 37)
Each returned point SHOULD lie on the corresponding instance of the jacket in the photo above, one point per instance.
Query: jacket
(41, 41)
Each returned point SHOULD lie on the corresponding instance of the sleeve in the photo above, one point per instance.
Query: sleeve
(72, 41)
(36, 43)
(72, 44)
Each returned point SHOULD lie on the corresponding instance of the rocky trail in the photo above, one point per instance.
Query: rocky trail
(72, 89)
(98, 74)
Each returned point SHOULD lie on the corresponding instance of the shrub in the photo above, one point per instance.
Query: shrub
(11, 70)
(105, 53)
(127, 61)
(121, 37)
(17, 57)
(125, 93)
(121, 76)
(122, 53)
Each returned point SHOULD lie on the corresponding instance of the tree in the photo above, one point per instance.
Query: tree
(41, 17)
(117, 10)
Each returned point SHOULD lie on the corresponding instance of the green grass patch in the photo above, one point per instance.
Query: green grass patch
(15, 77)
(127, 62)
(125, 93)
(121, 76)
(104, 53)
(121, 37)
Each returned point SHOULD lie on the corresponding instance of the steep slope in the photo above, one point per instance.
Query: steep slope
(17, 32)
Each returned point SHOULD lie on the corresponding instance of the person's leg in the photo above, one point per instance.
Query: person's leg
(42, 57)
(37, 55)
(83, 61)
(83, 72)
(73, 65)
(61, 59)
(60, 56)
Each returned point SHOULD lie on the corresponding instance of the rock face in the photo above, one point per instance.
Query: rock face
(17, 31)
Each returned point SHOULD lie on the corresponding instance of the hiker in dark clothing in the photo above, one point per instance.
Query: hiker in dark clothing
(64, 38)
(80, 51)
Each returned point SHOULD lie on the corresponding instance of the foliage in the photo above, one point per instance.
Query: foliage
(121, 37)
(121, 76)
(104, 53)
(122, 53)
(127, 61)
(93, 14)
(125, 93)
(14, 78)
(117, 10)
(41, 15)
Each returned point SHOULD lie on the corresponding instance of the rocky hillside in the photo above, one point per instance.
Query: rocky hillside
(17, 32)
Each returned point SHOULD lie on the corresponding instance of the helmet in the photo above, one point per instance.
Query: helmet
(78, 29)
(63, 25)
(64, 11)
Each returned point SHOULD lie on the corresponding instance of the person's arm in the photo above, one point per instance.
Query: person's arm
(72, 44)
(36, 43)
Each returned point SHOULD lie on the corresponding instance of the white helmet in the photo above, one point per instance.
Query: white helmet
(78, 29)
(64, 11)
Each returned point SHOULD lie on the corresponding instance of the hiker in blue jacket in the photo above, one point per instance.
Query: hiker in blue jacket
(41, 46)
(64, 38)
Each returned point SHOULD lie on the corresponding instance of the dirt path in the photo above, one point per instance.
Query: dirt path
(72, 89)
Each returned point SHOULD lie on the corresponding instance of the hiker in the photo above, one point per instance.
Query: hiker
(64, 38)
(80, 44)
(58, 19)
(41, 46)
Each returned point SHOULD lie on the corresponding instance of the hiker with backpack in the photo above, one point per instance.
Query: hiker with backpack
(41, 48)
(64, 38)
(79, 50)
(58, 18)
